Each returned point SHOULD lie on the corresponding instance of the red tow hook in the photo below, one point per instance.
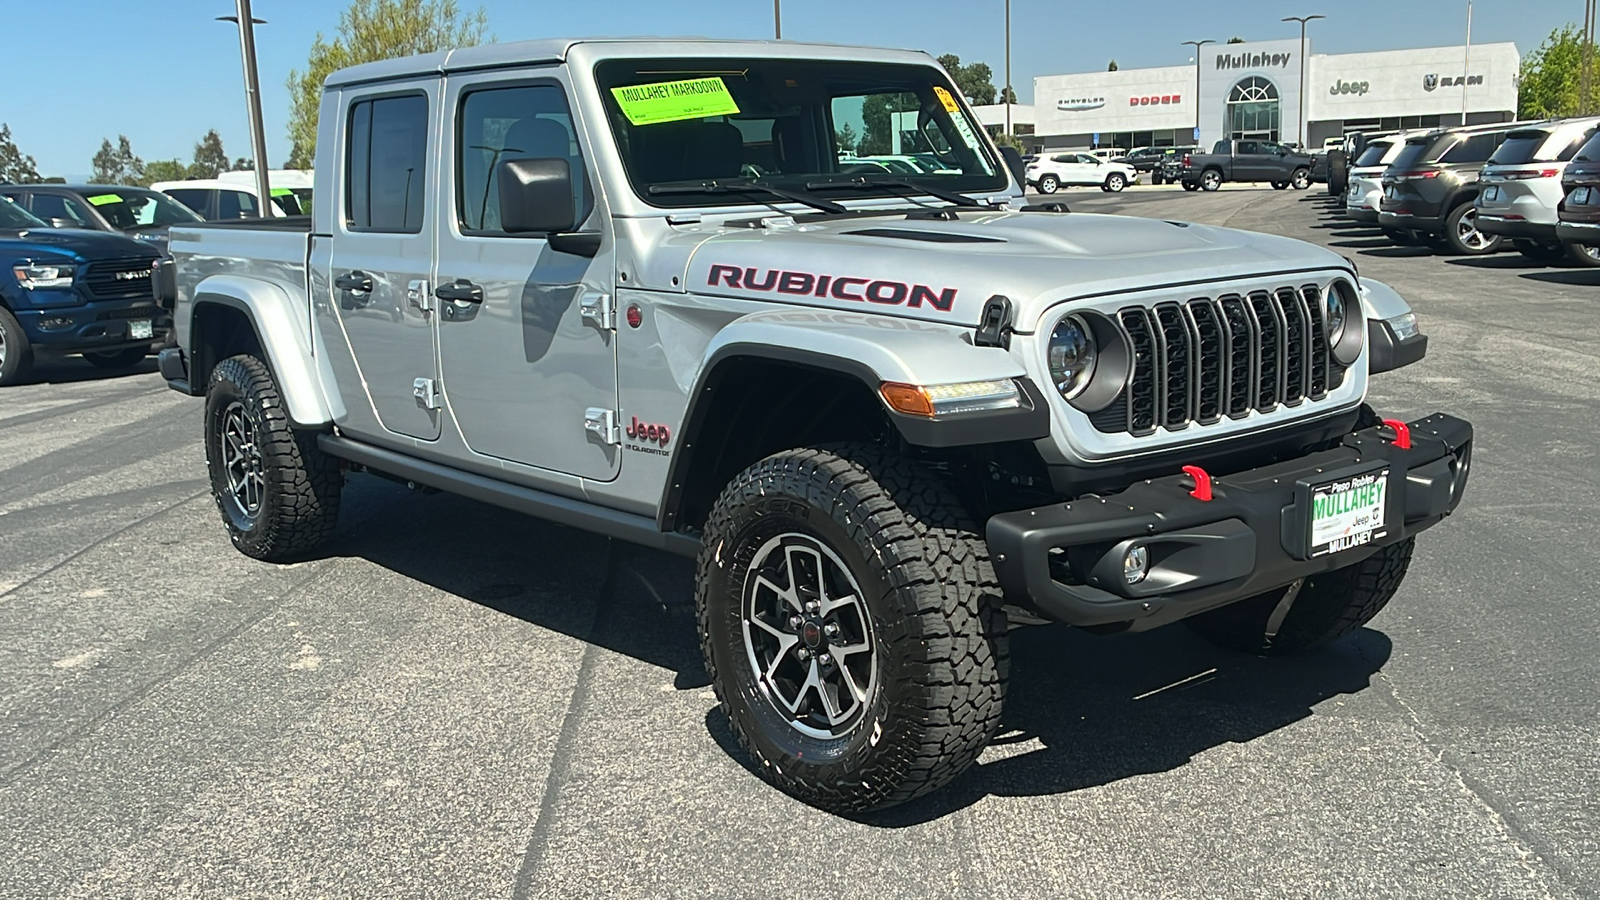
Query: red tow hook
(1202, 483)
(1402, 433)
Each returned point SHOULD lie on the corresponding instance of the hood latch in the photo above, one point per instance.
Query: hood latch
(994, 323)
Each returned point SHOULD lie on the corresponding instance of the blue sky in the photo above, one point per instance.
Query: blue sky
(163, 71)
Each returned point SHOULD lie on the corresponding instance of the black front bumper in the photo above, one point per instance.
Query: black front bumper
(1251, 537)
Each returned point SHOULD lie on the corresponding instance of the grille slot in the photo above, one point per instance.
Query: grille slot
(101, 279)
(1199, 361)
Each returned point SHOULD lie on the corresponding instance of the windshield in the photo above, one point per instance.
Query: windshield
(1416, 149)
(133, 208)
(1373, 154)
(14, 216)
(789, 123)
(1519, 147)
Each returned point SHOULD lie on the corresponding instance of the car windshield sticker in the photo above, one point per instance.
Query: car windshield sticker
(103, 199)
(281, 192)
(945, 98)
(674, 101)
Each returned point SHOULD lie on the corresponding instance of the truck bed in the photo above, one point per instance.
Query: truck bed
(264, 250)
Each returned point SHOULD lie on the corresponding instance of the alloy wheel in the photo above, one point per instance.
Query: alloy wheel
(808, 636)
(1467, 231)
(2, 345)
(241, 461)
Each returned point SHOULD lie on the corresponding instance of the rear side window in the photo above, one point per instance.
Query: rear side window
(1414, 152)
(196, 199)
(499, 124)
(55, 206)
(1477, 148)
(1573, 147)
(1373, 154)
(1246, 148)
(386, 164)
(235, 205)
(1590, 151)
(1519, 147)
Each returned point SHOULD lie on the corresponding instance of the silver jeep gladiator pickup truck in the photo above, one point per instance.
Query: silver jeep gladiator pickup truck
(625, 286)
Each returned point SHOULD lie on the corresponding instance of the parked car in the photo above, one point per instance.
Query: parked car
(1365, 191)
(1107, 154)
(1429, 188)
(138, 212)
(1170, 168)
(1578, 214)
(1144, 159)
(232, 197)
(873, 428)
(69, 291)
(1520, 189)
(1246, 160)
(1067, 169)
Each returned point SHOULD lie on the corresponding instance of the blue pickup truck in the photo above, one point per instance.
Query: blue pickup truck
(65, 291)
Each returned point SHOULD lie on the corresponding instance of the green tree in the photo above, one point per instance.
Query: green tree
(845, 138)
(1551, 83)
(15, 166)
(1112, 67)
(1236, 40)
(249, 165)
(166, 170)
(209, 157)
(877, 118)
(371, 30)
(117, 165)
(975, 81)
(1007, 95)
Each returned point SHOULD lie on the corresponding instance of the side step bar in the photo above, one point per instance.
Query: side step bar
(539, 504)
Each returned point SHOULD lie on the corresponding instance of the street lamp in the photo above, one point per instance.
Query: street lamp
(1197, 45)
(1006, 96)
(777, 20)
(252, 97)
(1302, 123)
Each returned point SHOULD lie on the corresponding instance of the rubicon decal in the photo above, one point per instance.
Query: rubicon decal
(838, 287)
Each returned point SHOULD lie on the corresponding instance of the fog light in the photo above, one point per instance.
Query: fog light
(1136, 564)
(54, 323)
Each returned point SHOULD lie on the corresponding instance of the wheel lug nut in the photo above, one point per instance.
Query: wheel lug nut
(831, 629)
(794, 622)
(823, 658)
(803, 653)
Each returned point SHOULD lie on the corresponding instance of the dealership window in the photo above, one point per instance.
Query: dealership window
(1253, 110)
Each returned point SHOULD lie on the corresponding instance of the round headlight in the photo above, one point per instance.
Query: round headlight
(1335, 318)
(1071, 354)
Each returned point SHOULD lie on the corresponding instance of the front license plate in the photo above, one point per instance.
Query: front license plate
(1491, 193)
(140, 329)
(1348, 512)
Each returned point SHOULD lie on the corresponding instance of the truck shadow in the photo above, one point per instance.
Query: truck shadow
(71, 369)
(1083, 711)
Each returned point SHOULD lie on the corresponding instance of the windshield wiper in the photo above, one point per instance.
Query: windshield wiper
(865, 182)
(744, 186)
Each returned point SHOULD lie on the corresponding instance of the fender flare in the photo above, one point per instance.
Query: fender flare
(284, 337)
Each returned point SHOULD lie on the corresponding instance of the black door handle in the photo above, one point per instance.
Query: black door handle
(355, 282)
(461, 291)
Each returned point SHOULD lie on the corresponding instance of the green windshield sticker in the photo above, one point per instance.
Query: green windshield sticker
(103, 199)
(281, 192)
(674, 101)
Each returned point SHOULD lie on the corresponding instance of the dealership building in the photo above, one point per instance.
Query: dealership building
(1253, 90)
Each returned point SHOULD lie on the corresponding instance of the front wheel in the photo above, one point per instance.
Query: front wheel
(1301, 179)
(1210, 180)
(1326, 607)
(277, 491)
(1280, 185)
(16, 352)
(1190, 186)
(1461, 232)
(117, 359)
(1116, 182)
(1048, 184)
(851, 624)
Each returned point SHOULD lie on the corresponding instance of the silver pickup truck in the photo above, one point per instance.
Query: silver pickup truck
(628, 286)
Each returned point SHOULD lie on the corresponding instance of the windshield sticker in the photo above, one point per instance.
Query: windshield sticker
(103, 199)
(281, 192)
(674, 101)
(945, 98)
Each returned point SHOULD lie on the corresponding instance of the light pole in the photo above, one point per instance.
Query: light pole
(1006, 97)
(1197, 45)
(1302, 123)
(1466, 62)
(252, 99)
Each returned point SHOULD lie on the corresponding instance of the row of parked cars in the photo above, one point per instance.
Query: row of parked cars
(1249, 160)
(83, 256)
(1528, 186)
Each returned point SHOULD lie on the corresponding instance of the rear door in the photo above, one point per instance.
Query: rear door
(524, 366)
(1247, 161)
(382, 255)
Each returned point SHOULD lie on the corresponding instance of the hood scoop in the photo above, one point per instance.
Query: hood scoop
(931, 237)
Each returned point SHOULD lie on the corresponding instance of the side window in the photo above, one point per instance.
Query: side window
(1246, 148)
(1474, 149)
(1064, 158)
(55, 206)
(499, 124)
(386, 164)
(1572, 148)
(194, 198)
(235, 205)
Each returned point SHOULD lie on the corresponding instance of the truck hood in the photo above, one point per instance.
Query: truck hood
(78, 245)
(943, 270)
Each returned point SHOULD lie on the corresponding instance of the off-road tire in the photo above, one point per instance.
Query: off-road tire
(117, 359)
(1049, 184)
(299, 493)
(1279, 185)
(941, 659)
(1115, 182)
(1456, 242)
(1210, 180)
(16, 353)
(1582, 255)
(1301, 179)
(1329, 606)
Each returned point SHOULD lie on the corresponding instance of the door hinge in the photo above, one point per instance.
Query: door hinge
(603, 422)
(418, 295)
(596, 307)
(426, 392)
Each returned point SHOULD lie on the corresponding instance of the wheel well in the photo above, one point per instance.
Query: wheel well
(216, 333)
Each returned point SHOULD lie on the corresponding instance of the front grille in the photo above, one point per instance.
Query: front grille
(100, 279)
(1198, 361)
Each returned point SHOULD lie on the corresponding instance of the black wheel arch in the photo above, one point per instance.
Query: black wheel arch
(219, 327)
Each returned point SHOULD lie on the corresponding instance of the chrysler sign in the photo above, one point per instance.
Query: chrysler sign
(1079, 104)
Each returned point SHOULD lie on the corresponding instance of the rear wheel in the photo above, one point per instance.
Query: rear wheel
(1049, 184)
(1156, 178)
(851, 624)
(117, 359)
(1461, 232)
(1210, 180)
(16, 353)
(1280, 185)
(1326, 607)
(1583, 255)
(1115, 182)
(1301, 179)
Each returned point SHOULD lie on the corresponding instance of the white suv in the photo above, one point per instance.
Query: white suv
(1366, 176)
(1052, 172)
(1520, 189)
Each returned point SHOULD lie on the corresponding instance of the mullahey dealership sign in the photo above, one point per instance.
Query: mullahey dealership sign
(1252, 60)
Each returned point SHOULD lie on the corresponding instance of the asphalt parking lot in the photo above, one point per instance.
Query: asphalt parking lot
(460, 702)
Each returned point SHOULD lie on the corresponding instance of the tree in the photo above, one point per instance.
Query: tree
(877, 117)
(845, 138)
(1007, 95)
(1236, 40)
(118, 165)
(1551, 83)
(249, 165)
(209, 157)
(974, 81)
(165, 170)
(1112, 67)
(15, 167)
(371, 30)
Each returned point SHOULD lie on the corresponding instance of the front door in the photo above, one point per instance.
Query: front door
(382, 257)
(523, 365)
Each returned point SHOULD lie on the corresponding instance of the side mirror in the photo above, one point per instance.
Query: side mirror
(536, 196)
(1019, 169)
